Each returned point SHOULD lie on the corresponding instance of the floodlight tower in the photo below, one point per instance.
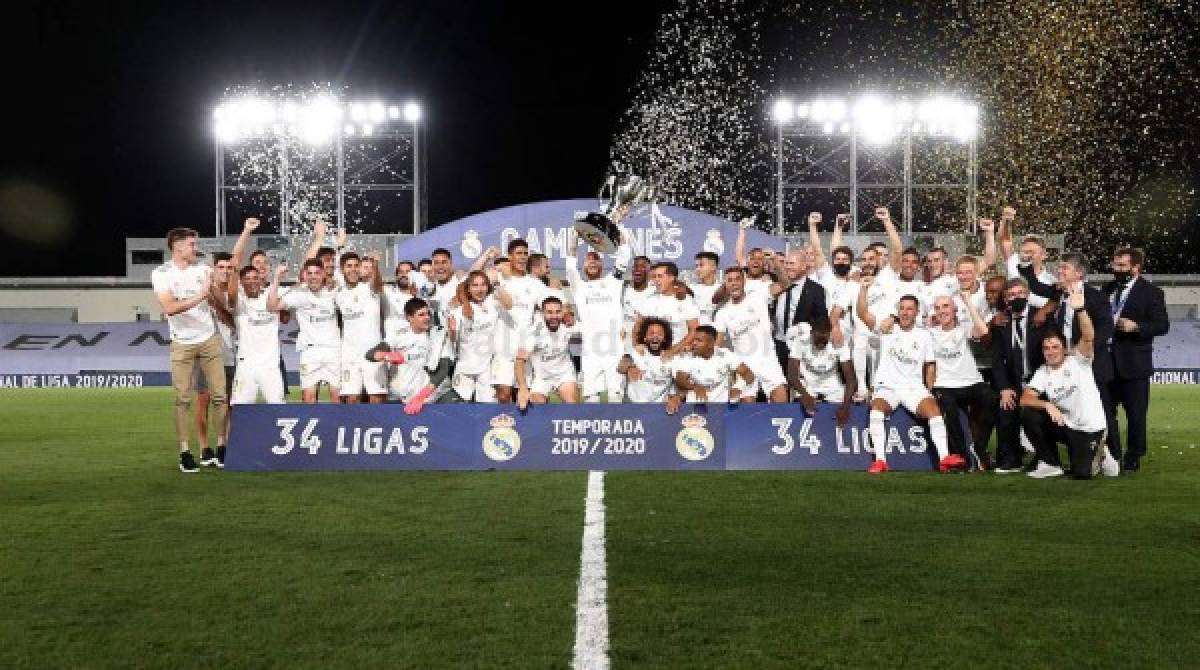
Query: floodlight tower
(290, 130)
(860, 152)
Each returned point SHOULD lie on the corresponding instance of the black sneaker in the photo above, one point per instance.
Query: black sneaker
(221, 456)
(208, 458)
(187, 463)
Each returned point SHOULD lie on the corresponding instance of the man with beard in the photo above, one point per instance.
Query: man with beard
(599, 319)
(651, 379)
(472, 327)
(548, 348)
(666, 304)
(906, 359)
(358, 302)
(637, 291)
(816, 369)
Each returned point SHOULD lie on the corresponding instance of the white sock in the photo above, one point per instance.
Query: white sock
(937, 429)
(859, 354)
(878, 435)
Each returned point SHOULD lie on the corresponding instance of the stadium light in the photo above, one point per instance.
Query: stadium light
(412, 112)
(314, 120)
(879, 120)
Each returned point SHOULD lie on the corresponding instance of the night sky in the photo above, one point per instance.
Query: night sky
(110, 104)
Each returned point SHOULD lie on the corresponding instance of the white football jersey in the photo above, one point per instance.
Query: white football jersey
(702, 294)
(674, 311)
(316, 314)
(956, 366)
(714, 374)
(657, 380)
(476, 335)
(258, 331)
(598, 312)
(1072, 389)
(747, 326)
(819, 370)
(550, 350)
(361, 330)
(411, 375)
(902, 358)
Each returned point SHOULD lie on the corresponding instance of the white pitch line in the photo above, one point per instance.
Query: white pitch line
(591, 606)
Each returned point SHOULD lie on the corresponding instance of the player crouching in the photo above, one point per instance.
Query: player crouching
(548, 347)
(419, 361)
(709, 374)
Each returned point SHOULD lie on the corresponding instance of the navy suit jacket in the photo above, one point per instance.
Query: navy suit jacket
(1006, 370)
(1133, 353)
(1098, 308)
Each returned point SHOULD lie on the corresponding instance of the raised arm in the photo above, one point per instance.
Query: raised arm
(243, 241)
(318, 236)
(1008, 217)
(895, 244)
(988, 229)
(739, 249)
(172, 305)
(274, 304)
(814, 237)
(485, 258)
(979, 327)
(864, 314)
(1087, 332)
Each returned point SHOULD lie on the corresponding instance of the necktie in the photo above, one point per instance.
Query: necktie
(1019, 343)
(1067, 319)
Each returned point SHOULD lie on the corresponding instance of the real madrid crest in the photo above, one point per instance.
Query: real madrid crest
(471, 246)
(502, 443)
(694, 442)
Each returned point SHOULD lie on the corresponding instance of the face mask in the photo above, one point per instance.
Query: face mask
(1122, 276)
(841, 269)
(1018, 304)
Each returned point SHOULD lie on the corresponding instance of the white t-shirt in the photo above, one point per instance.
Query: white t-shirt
(760, 287)
(820, 370)
(197, 324)
(633, 302)
(702, 294)
(978, 299)
(411, 375)
(656, 382)
(956, 366)
(394, 321)
(747, 327)
(550, 351)
(527, 295)
(1072, 388)
(258, 331)
(947, 284)
(477, 335)
(714, 374)
(840, 292)
(361, 330)
(902, 358)
(316, 313)
(881, 301)
(674, 311)
(442, 294)
(1035, 301)
(598, 312)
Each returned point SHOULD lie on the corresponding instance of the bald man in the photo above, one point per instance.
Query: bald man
(796, 298)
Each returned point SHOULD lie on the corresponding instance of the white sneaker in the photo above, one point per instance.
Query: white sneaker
(1110, 468)
(1045, 470)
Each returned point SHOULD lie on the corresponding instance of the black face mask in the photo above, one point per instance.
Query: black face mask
(841, 269)
(1018, 305)
(1122, 276)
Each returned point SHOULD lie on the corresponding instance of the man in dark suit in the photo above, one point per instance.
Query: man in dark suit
(796, 298)
(1016, 355)
(1072, 273)
(1140, 311)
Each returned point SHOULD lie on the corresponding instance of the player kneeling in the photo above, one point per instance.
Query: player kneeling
(906, 358)
(709, 374)
(419, 362)
(816, 369)
(548, 348)
(650, 377)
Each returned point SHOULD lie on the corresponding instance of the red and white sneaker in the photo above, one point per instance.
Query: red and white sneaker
(952, 462)
(877, 468)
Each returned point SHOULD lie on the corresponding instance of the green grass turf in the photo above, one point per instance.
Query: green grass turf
(110, 557)
(826, 569)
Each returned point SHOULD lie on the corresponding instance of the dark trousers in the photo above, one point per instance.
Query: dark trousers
(283, 373)
(1045, 436)
(1009, 452)
(781, 353)
(980, 404)
(1134, 395)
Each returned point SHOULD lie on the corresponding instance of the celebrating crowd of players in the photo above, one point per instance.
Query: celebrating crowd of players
(1038, 358)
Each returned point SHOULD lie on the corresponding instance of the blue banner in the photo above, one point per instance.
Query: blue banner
(678, 235)
(566, 437)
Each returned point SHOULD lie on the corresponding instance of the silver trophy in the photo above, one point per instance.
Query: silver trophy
(602, 229)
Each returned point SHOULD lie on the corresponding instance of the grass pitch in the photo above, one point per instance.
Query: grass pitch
(109, 557)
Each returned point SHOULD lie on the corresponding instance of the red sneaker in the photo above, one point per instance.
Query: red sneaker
(952, 462)
(877, 468)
